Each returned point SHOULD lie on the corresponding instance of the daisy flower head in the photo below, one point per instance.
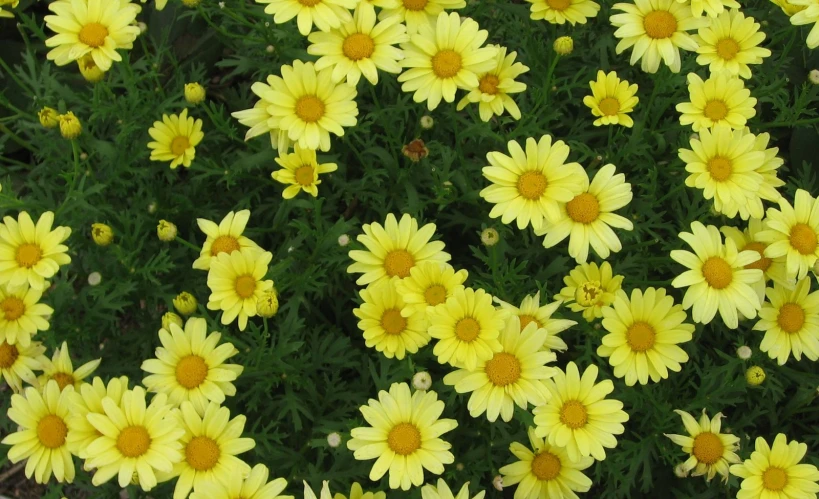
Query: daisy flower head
(777, 471)
(612, 100)
(41, 433)
(18, 363)
(254, 486)
(721, 99)
(429, 284)
(259, 118)
(384, 326)
(324, 14)
(748, 239)
(85, 400)
(717, 279)
(563, 11)
(22, 314)
(356, 492)
(95, 27)
(494, 87)
(655, 30)
(393, 249)
(731, 43)
(710, 452)
(713, 8)
(578, 416)
(531, 311)
(512, 376)
(405, 436)
(236, 284)
(588, 288)
(808, 15)
(442, 491)
(588, 217)
(360, 46)
(300, 172)
(793, 233)
(467, 328)
(444, 56)
(189, 366)
(529, 185)
(545, 471)
(175, 139)
(225, 237)
(416, 13)
(29, 253)
(790, 320)
(61, 369)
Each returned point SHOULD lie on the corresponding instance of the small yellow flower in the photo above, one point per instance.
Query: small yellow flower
(166, 231)
(755, 375)
(493, 89)
(89, 69)
(185, 303)
(171, 318)
(589, 288)
(268, 304)
(60, 369)
(564, 45)
(777, 471)
(611, 100)
(70, 126)
(722, 98)
(300, 170)
(194, 93)
(102, 234)
(709, 451)
(175, 139)
(49, 117)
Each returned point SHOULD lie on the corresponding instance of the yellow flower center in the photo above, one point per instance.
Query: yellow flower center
(763, 263)
(245, 286)
(404, 439)
(358, 46)
(503, 369)
(546, 466)
(63, 379)
(526, 319)
(774, 479)
(133, 441)
(584, 208)
(532, 185)
(51, 430)
(224, 244)
(309, 108)
(13, 308)
(8, 355)
(588, 293)
(489, 84)
(727, 48)
(304, 175)
(179, 145)
(415, 5)
(28, 255)
(393, 322)
(309, 3)
(446, 63)
(791, 317)
(660, 24)
(435, 295)
(719, 168)
(717, 272)
(715, 110)
(191, 371)
(640, 336)
(398, 263)
(803, 239)
(573, 414)
(708, 448)
(609, 106)
(467, 329)
(93, 34)
(202, 453)
(559, 5)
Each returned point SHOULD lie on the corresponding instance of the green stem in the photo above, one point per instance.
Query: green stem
(15, 138)
(76, 150)
(189, 245)
(807, 121)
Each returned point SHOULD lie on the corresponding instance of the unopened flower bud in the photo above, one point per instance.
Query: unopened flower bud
(185, 303)
(422, 381)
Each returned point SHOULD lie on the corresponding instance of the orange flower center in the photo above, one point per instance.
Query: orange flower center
(609, 106)
(435, 295)
(28, 255)
(309, 108)
(224, 244)
(191, 371)
(202, 453)
(304, 175)
(489, 84)
(584, 208)
(358, 46)
(715, 110)
(546, 466)
(708, 448)
(526, 319)
(13, 308)
(63, 379)
(717, 272)
(446, 63)
(719, 168)
(774, 479)
(415, 5)
(393, 322)
(467, 329)
(727, 48)
(660, 24)
(573, 414)
(398, 263)
(763, 263)
(245, 286)
(8, 355)
(133, 441)
(309, 3)
(93, 35)
(404, 439)
(640, 336)
(791, 317)
(503, 369)
(803, 239)
(51, 430)
(532, 185)
(179, 145)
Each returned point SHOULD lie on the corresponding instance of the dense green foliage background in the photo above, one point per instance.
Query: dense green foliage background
(307, 370)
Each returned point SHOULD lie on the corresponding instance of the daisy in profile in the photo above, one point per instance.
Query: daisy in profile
(22, 314)
(360, 46)
(545, 471)
(225, 237)
(467, 328)
(531, 311)
(578, 416)
(384, 326)
(494, 87)
(777, 471)
(29, 253)
(85, 400)
(512, 376)
(717, 279)
(587, 218)
(393, 249)
(444, 56)
(356, 492)
(721, 99)
(259, 118)
(254, 486)
(236, 284)
(731, 43)
(748, 239)
(529, 185)
(562, 11)
(416, 13)
(404, 437)
(175, 139)
(612, 100)
(442, 491)
(790, 319)
(655, 30)
(324, 14)
(18, 363)
(429, 284)
(793, 233)
(588, 288)
(809, 14)
(789, 7)
(300, 172)
(769, 169)
(710, 452)
(61, 369)
(41, 433)
(95, 27)
(191, 367)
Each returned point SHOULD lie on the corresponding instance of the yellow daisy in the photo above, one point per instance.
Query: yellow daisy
(710, 452)
(254, 486)
(793, 233)
(562, 11)
(41, 433)
(61, 369)
(494, 87)
(777, 471)
(301, 170)
(531, 311)
(21, 314)
(588, 288)
(513, 376)
(443, 57)
(236, 285)
(360, 46)
(175, 139)
(657, 30)
(772, 269)
(12, 4)
(31, 253)
(644, 334)
(324, 14)
(226, 237)
(528, 186)
(384, 326)
(136, 441)
(790, 319)
(85, 400)
(467, 328)
(612, 100)
(545, 471)
(429, 284)
(717, 278)
(416, 13)
(769, 168)
(713, 8)
(18, 363)
(356, 492)
(809, 15)
(191, 367)
(442, 491)
(578, 416)
(394, 249)
(587, 218)
(722, 98)
(259, 118)
(731, 42)
(404, 436)
(95, 27)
